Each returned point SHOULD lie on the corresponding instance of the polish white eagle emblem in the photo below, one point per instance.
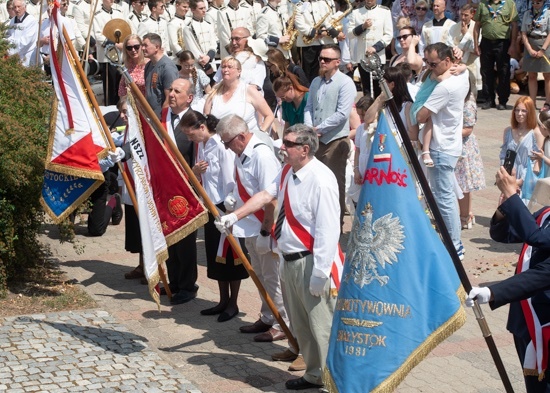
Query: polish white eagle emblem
(371, 243)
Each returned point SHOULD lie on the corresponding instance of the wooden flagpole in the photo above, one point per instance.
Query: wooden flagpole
(107, 133)
(40, 20)
(158, 127)
(87, 47)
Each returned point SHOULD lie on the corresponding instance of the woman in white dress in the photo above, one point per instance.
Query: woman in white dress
(234, 97)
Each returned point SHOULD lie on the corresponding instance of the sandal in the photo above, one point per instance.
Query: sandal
(466, 222)
(428, 161)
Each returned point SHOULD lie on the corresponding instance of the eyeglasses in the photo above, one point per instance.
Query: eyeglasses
(237, 39)
(134, 47)
(432, 64)
(520, 110)
(327, 59)
(403, 37)
(229, 141)
(288, 143)
(421, 8)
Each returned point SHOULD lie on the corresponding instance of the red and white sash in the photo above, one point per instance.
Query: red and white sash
(536, 355)
(307, 240)
(244, 194)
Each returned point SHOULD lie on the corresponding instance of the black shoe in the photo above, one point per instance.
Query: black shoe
(224, 316)
(116, 218)
(300, 384)
(162, 291)
(501, 107)
(182, 297)
(488, 105)
(217, 309)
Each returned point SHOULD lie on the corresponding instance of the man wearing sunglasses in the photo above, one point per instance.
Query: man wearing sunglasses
(445, 107)
(497, 20)
(307, 195)
(137, 15)
(328, 108)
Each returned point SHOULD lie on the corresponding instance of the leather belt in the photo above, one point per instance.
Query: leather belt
(295, 256)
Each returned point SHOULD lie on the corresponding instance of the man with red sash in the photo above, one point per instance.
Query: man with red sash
(255, 168)
(307, 230)
(528, 291)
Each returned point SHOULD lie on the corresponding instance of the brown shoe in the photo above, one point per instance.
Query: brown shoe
(256, 327)
(136, 273)
(286, 356)
(298, 364)
(269, 336)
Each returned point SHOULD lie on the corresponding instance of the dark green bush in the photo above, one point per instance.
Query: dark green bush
(25, 106)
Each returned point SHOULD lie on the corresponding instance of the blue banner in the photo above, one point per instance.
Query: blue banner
(399, 293)
(61, 193)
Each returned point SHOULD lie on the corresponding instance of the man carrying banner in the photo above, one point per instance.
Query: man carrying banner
(256, 167)
(526, 291)
(182, 261)
(307, 193)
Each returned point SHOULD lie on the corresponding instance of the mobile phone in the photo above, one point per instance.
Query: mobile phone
(509, 159)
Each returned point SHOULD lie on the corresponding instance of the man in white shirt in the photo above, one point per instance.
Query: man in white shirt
(155, 24)
(23, 34)
(236, 14)
(445, 106)
(200, 38)
(175, 28)
(436, 30)
(307, 193)
(256, 167)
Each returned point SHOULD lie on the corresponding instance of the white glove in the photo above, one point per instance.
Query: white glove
(117, 155)
(230, 202)
(317, 285)
(226, 222)
(483, 296)
(263, 244)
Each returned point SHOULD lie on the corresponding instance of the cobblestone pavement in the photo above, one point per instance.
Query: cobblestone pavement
(127, 340)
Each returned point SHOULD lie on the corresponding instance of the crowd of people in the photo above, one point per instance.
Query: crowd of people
(262, 101)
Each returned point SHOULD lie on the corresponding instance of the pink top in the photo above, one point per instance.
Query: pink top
(137, 74)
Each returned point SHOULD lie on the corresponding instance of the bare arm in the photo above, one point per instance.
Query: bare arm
(258, 102)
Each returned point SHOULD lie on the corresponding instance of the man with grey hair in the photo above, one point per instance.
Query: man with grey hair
(22, 34)
(255, 168)
(307, 193)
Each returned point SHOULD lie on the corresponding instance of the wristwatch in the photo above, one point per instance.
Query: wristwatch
(264, 233)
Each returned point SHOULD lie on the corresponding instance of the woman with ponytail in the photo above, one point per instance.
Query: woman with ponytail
(196, 76)
(215, 168)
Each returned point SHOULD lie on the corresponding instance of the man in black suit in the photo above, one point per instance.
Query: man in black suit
(513, 223)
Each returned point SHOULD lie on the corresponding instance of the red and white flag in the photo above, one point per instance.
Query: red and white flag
(76, 139)
(168, 208)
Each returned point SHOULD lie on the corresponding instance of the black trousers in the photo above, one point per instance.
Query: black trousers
(110, 78)
(532, 383)
(365, 83)
(495, 52)
(100, 216)
(182, 264)
(309, 56)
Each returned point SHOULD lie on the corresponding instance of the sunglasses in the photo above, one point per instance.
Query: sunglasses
(431, 64)
(326, 59)
(421, 9)
(288, 143)
(134, 47)
(403, 37)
